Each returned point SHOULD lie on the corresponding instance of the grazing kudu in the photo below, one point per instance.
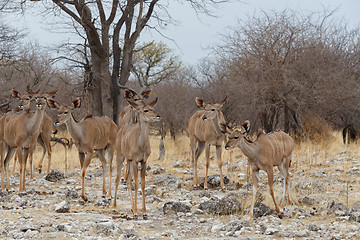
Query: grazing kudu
(132, 144)
(45, 131)
(20, 132)
(203, 129)
(266, 152)
(89, 135)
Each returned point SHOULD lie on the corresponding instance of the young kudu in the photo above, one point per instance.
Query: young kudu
(45, 131)
(21, 130)
(89, 134)
(203, 129)
(268, 151)
(132, 144)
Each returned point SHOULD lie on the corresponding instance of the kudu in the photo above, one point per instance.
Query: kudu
(266, 152)
(45, 131)
(128, 115)
(203, 129)
(21, 130)
(89, 135)
(132, 144)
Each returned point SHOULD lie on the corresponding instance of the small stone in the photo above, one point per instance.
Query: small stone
(105, 228)
(271, 231)
(63, 207)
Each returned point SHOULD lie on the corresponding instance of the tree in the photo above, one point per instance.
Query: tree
(112, 29)
(154, 63)
(176, 102)
(279, 66)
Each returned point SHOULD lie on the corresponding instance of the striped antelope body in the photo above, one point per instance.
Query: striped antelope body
(268, 151)
(203, 129)
(132, 144)
(20, 132)
(90, 134)
(45, 131)
(128, 115)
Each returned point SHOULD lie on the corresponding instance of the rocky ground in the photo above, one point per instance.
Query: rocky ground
(326, 194)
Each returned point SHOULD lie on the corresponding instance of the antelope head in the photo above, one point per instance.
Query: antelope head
(211, 110)
(234, 136)
(64, 112)
(25, 100)
(146, 112)
(130, 94)
(41, 99)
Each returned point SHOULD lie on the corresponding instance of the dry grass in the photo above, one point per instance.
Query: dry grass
(307, 157)
(179, 150)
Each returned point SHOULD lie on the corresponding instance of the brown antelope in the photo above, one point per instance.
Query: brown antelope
(266, 152)
(20, 131)
(89, 134)
(128, 115)
(203, 129)
(45, 131)
(132, 144)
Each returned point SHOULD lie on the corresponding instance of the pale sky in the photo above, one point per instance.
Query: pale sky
(194, 37)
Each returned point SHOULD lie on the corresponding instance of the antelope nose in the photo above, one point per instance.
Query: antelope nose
(227, 147)
(203, 118)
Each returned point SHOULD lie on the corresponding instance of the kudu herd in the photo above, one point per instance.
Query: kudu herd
(21, 129)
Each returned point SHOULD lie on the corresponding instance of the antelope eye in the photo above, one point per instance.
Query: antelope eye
(212, 109)
(66, 112)
(146, 110)
(236, 137)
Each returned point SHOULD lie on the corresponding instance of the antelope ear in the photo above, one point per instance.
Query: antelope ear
(15, 94)
(221, 103)
(76, 103)
(128, 94)
(199, 102)
(53, 104)
(153, 103)
(245, 128)
(224, 128)
(146, 93)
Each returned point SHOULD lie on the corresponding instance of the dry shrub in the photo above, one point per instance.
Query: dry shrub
(317, 131)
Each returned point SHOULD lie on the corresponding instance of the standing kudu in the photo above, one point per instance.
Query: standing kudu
(132, 144)
(268, 151)
(45, 131)
(20, 131)
(89, 135)
(203, 129)
(128, 115)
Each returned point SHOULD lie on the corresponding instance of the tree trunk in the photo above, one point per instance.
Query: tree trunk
(161, 149)
(286, 118)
